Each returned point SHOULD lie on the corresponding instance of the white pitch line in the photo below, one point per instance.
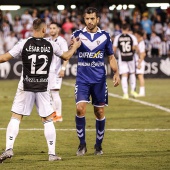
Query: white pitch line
(93, 130)
(134, 100)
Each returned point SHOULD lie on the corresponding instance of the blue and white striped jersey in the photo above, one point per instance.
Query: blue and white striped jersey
(94, 47)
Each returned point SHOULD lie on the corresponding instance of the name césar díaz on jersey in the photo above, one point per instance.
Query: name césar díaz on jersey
(44, 48)
(90, 55)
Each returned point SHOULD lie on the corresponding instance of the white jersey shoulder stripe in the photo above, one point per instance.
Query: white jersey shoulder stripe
(91, 44)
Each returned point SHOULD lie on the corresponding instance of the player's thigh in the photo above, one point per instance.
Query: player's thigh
(131, 66)
(54, 82)
(82, 92)
(99, 94)
(23, 102)
(123, 67)
(44, 104)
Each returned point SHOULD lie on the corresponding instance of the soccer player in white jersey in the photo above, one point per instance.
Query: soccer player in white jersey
(126, 43)
(91, 77)
(36, 53)
(57, 71)
(140, 63)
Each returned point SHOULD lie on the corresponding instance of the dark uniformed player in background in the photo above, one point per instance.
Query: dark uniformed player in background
(126, 43)
(36, 53)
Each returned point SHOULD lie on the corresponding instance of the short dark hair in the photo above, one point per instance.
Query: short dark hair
(37, 23)
(54, 23)
(91, 10)
(139, 32)
(125, 26)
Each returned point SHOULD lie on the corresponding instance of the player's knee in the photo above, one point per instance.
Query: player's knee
(99, 113)
(80, 110)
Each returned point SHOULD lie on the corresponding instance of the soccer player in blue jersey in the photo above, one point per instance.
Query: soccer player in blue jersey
(91, 77)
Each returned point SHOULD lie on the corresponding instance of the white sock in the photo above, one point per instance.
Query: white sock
(57, 103)
(124, 84)
(12, 132)
(50, 135)
(132, 79)
(142, 90)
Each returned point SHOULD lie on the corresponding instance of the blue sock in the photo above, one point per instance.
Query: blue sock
(80, 127)
(100, 128)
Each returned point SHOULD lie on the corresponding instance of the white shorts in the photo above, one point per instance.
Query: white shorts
(126, 66)
(24, 102)
(54, 82)
(142, 69)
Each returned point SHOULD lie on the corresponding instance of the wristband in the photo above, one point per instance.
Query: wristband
(63, 68)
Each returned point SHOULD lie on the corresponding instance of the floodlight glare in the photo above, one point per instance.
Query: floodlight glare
(119, 7)
(73, 6)
(131, 6)
(60, 7)
(112, 7)
(9, 7)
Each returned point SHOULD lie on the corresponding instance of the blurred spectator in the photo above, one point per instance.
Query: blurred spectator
(125, 16)
(68, 25)
(23, 31)
(46, 15)
(146, 24)
(117, 30)
(167, 38)
(68, 36)
(136, 16)
(1, 19)
(2, 43)
(104, 19)
(9, 16)
(26, 17)
(158, 26)
(6, 29)
(10, 41)
(17, 27)
(155, 43)
(34, 14)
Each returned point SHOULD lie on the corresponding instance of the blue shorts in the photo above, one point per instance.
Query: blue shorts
(97, 91)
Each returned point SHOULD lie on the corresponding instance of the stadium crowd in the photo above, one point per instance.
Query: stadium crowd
(155, 24)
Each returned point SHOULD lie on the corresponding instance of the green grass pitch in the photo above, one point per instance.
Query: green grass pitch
(137, 135)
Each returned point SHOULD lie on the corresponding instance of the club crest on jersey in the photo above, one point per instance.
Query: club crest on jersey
(98, 42)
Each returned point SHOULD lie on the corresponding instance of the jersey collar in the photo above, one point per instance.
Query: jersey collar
(98, 30)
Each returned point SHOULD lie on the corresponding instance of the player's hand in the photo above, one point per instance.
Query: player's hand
(139, 64)
(116, 79)
(76, 42)
(61, 74)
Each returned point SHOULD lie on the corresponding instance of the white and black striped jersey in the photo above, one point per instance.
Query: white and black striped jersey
(125, 44)
(36, 54)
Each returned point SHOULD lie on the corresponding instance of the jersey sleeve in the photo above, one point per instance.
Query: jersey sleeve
(115, 42)
(135, 41)
(63, 45)
(109, 49)
(17, 49)
(141, 47)
(57, 50)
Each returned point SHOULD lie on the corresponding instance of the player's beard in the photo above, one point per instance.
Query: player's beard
(91, 26)
(53, 34)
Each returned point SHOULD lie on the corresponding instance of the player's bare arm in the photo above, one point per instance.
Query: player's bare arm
(76, 44)
(141, 58)
(114, 67)
(63, 68)
(5, 57)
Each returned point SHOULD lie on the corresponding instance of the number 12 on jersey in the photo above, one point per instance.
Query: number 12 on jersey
(35, 61)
